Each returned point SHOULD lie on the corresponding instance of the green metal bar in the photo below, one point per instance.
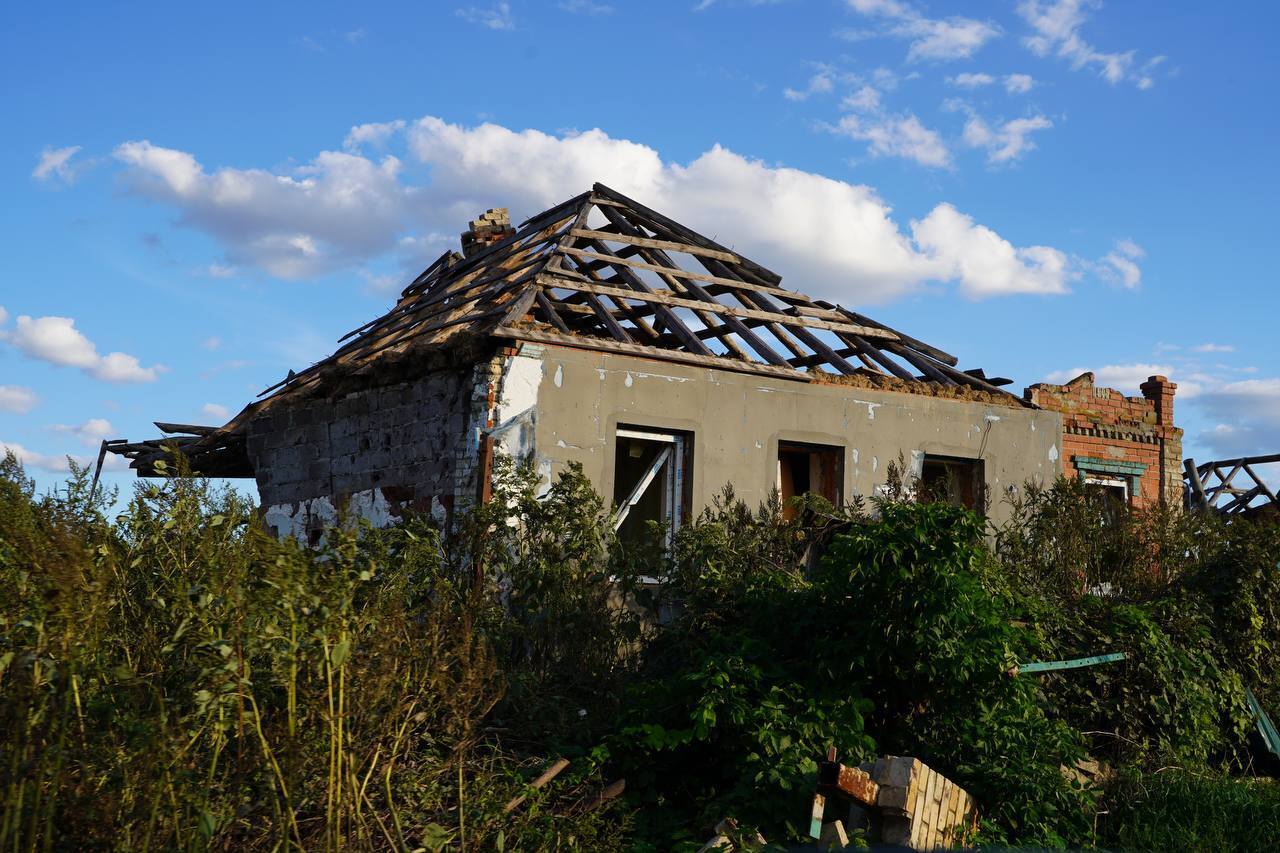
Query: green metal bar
(1049, 665)
(1266, 728)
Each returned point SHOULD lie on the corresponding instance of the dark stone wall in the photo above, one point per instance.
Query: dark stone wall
(403, 438)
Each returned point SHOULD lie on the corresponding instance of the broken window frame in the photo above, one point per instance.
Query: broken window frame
(671, 467)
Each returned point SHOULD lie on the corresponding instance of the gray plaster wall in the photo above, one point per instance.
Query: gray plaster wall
(737, 421)
(374, 451)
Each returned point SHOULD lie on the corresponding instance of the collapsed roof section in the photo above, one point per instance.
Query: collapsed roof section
(602, 271)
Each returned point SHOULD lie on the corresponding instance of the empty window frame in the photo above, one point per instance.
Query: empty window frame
(1114, 494)
(950, 480)
(804, 468)
(650, 482)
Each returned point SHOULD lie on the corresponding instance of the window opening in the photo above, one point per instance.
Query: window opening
(949, 480)
(804, 468)
(650, 482)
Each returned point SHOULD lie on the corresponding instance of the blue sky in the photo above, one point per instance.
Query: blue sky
(200, 198)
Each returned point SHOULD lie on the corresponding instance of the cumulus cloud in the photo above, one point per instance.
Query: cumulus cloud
(56, 340)
(90, 433)
(1004, 141)
(495, 17)
(215, 411)
(56, 163)
(339, 208)
(955, 37)
(17, 399)
(373, 133)
(1056, 29)
(835, 239)
(1120, 265)
(985, 263)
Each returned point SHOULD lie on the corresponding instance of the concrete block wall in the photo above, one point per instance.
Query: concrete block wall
(406, 445)
(1107, 433)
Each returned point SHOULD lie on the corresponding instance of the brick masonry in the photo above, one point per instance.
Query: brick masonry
(1107, 434)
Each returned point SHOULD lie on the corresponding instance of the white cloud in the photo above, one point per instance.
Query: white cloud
(57, 463)
(985, 263)
(1214, 348)
(819, 84)
(1018, 84)
(56, 162)
(339, 208)
(211, 343)
(930, 38)
(215, 411)
(220, 271)
(1003, 142)
(831, 238)
(4, 316)
(1126, 377)
(17, 399)
(1246, 416)
(1056, 31)
(866, 99)
(897, 136)
(355, 36)
(971, 80)
(374, 133)
(495, 17)
(56, 340)
(1120, 265)
(91, 433)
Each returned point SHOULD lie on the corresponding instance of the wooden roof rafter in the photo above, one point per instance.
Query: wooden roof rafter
(1231, 486)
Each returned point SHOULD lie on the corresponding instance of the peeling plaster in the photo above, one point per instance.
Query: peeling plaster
(871, 408)
(1053, 453)
(559, 377)
(627, 382)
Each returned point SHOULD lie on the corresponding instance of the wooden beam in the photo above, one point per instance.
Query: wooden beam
(651, 243)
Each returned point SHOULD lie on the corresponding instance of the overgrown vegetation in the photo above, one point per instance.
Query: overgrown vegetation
(174, 678)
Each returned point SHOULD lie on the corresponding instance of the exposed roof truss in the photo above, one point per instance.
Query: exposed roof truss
(604, 271)
(1230, 486)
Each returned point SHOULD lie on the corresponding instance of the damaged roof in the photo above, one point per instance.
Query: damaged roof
(602, 271)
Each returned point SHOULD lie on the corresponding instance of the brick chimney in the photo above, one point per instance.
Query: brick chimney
(493, 226)
(1159, 390)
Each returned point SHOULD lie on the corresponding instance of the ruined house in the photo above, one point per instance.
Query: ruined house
(604, 333)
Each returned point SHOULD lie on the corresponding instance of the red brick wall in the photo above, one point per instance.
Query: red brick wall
(1103, 424)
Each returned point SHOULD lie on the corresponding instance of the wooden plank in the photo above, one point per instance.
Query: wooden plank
(652, 243)
(791, 323)
(673, 323)
(634, 207)
(932, 352)
(713, 362)
(731, 283)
